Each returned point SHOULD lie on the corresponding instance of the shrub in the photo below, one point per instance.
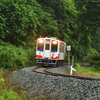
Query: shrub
(8, 95)
(77, 67)
(31, 56)
(12, 57)
(9, 89)
(94, 60)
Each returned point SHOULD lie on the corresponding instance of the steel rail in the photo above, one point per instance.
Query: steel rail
(47, 72)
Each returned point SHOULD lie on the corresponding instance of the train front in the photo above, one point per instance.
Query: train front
(46, 48)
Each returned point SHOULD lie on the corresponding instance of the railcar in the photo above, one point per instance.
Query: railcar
(50, 51)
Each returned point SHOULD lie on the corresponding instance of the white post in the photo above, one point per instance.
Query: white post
(71, 70)
(69, 49)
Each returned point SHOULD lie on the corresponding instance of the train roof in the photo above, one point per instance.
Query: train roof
(53, 38)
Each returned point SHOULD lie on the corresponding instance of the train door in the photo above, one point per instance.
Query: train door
(47, 50)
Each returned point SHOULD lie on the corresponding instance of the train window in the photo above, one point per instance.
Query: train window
(40, 45)
(62, 49)
(54, 46)
(47, 46)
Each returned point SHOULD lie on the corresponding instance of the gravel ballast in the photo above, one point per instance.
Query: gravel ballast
(64, 88)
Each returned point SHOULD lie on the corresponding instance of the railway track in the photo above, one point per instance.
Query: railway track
(46, 70)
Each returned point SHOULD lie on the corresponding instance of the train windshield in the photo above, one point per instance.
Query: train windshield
(40, 45)
(54, 46)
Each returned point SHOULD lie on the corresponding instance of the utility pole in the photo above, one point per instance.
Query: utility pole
(69, 49)
(72, 60)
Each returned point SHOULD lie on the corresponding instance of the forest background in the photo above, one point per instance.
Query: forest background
(77, 22)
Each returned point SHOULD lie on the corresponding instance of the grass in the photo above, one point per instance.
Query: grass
(10, 90)
(87, 71)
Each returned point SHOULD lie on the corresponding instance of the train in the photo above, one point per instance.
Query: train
(50, 51)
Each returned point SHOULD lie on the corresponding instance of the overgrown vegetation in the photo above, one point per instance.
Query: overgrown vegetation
(10, 90)
(74, 21)
(93, 58)
(12, 56)
(87, 71)
(22, 22)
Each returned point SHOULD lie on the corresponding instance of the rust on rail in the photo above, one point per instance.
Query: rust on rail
(46, 71)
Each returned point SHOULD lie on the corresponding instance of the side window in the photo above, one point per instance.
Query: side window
(54, 46)
(40, 45)
(62, 49)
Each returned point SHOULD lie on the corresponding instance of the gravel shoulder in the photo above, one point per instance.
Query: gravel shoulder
(64, 88)
(61, 70)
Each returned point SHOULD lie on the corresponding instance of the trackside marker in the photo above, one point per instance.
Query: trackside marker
(71, 70)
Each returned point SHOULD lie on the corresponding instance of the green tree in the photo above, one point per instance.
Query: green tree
(21, 20)
(65, 13)
(88, 21)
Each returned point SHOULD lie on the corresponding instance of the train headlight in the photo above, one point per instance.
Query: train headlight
(41, 41)
(54, 42)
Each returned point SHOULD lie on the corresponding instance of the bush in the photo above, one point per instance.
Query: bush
(94, 60)
(31, 56)
(8, 95)
(12, 57)
(77, 67)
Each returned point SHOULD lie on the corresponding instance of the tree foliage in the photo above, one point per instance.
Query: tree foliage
(88, 21)
(64, 11)
(22, 19)
(73, 21)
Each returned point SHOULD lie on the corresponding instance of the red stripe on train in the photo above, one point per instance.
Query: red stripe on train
(57, 57)
(39, 56)
(62, 43)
